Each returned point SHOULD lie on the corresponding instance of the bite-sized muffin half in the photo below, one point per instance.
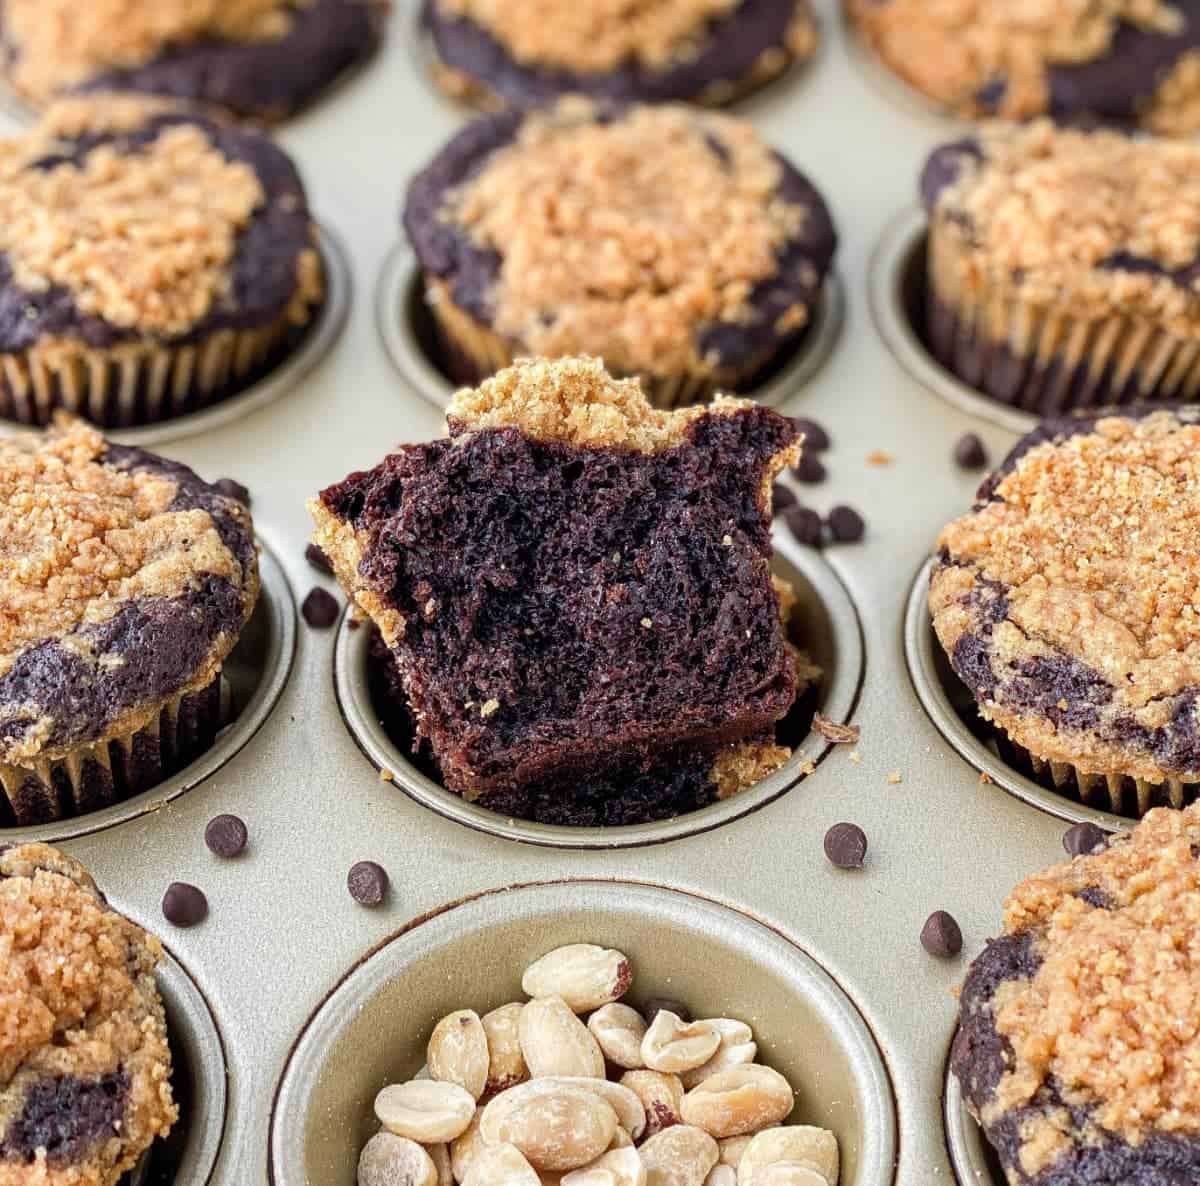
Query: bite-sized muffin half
(153, 259)
(671, 242)
(126, 582)
(1064, 265)
(572, 581)
(1066, 602)
(521, 53)
(1117, 61)
(85, 1067)
(1078, 1042)
(259, 58)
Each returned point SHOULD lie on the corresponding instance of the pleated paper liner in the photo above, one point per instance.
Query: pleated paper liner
(1045, 358)
(472, 352)
(107, 772)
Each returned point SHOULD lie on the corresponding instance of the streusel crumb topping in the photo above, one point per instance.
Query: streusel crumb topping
(626, 238)
(142, 239)
(80, 539)
(1095, 539)
(744, 764)
(594, 36)
(1113, 1014)
(1058, 214)
(58, 44)
(953, 49)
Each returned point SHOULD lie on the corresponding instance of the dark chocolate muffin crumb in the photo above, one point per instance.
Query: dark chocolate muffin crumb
(233, 489)
(969, 452)
(805, 524)
(184, 905)
(846, 846)
(317, 558)
(320, 609)
(367, 883)
(846, 525)
(1083, 838)
(226, 836)
(941, 935)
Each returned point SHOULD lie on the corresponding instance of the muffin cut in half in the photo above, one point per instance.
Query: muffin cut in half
(572, 581)
(1064, 266)
(262, 59)
(127, 581)
(673, 243)
(1077, 1045)
(1066, 602)
(1116, 61)
(523, 53)
(153, 259)
(85, 1066)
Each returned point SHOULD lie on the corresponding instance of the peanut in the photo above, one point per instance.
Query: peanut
(584, 975)
(618, 1167)
(801, 1142)
(631, 1115)
(787, 1173)
(737, 1048)
(660, 1093)
(555, 1042)
(389, 1160)
(556, 1130)
(440, 1156)
(619, 1030)
(425, 1111)
(672, 1045)
(721, 1175)
(743, 1100)
(465, 1150)
(506, 1063)
(501, 1165)
(458, 1052)
(680, 1156)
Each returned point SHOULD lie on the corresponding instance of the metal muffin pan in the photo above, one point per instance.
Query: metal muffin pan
(276, 958)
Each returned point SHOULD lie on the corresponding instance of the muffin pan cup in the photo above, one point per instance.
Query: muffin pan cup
(286, 958)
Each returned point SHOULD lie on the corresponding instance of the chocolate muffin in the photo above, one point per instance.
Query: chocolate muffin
(85, 1068)
(153, 260)
(1077, 1047)
(1065, 602)
(127, 581)
(1064, 266)
(671, 242)
(1132, 62)
(264, 59)
(572, 580)
(517, 53)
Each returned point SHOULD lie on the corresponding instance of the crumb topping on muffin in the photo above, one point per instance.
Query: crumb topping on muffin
(78, 1005)
(954, 49)
(58, 44)
(596, 36)
(745, 764)
(1111, 1015)
(620, 236)
(1100, 220)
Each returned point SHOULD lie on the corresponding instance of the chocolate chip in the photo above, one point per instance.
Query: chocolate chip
(234, 490)
(782, 498)
(941, 935)
(846, 846)
(184, 905)
(969, 452)
(320, 609)
(846, 525)
(1081, 839)
(810, 471)
(367, 883)
(816, 439)
(225, 836)
(655, 1005)
(805, 524)
(315, 555)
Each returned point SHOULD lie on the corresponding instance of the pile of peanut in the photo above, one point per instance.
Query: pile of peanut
(522, 1096)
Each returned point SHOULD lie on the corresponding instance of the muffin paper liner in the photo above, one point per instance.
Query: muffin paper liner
(106, 772)
(1045, 358)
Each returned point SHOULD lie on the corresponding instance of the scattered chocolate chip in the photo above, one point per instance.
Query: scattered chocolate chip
(810, 470)
(941, 935)
(315, 555)
(838, 734)
(805, 524)
(846, 525)
(1081, 839)
(782, 498)
(226, 836)
(846, 846)
(184, 905)
(816, 439)
(655, 1005)
(320, 609)
(234, 490)
(969, 452)
(367, 883)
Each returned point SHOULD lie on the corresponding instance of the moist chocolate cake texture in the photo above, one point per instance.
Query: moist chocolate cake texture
(1078, 1048)
(572, 580)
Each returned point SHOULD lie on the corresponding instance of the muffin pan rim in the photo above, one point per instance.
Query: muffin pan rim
(965, 1141)
(397, 286)
(368, 734)
(879, 1153)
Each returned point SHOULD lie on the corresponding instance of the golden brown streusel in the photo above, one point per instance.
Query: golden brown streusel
(59, 44)
(1113, 1013)
(624, 239)
(952, 49)
(77, 997)
(1047, 206)
(141, 239)
(743, 764)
